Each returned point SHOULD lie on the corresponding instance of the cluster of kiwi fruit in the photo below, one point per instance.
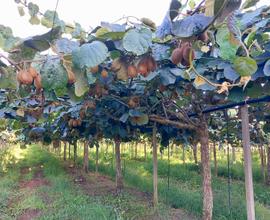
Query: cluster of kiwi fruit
(104, 73)
(27, 76)
(73, 123)
(184, 53)
(126, 67)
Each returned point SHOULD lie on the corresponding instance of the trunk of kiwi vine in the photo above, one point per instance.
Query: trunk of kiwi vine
(202, 132)
(119, 177)
(86, 157)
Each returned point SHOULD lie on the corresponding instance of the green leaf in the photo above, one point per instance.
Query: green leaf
(245, 66)
(7, 78)
(237, 94)
(235, 33)
(227, 49)
(90, 54)
(77, 31)
(54, 76)
(49, 17)
(81, 84)
(66, 46)
(212, 8)
(166, 77)
(137, 41)
(33, 9)
(249, 3)
(91, 78)
(266, 68)
(42, 42)
(190, 26)
(21, 10)
(34, 20)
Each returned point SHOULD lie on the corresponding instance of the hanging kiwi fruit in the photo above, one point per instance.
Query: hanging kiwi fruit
(37, 82)
(182, 54)
(24, 77)
(132, 71)
(146, 65)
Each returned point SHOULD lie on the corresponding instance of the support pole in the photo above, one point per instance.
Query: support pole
(247, 163)
(155, 167)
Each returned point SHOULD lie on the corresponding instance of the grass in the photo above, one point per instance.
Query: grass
(185, 183)
(60, 199)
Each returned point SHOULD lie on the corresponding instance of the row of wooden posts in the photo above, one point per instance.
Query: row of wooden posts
(205, 164)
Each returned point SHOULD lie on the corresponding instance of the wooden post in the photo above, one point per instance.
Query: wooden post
(206, 169)
(86, 157)
(65, 151)
(268, 165)
(97, 157)
(144, 149)
(261, 152)
(118, 176)
(233, 154)
(183, 154)
(247, 163)
(69, 154)
(194, 149)
(75, 153)
(136, 149)
(215, 157)
(155, 167)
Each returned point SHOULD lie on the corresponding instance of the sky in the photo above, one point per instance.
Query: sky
(86, 12)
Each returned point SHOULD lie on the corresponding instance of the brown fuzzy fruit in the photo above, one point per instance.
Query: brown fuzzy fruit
(37, 82)
(116, 65)
(70, 122)
(188, 51)
(134, 102)
(24, 77)
(151, 64)
(94, 69)
(203, 37)
(33, 72)
(162, 88)
(177, 55)
(75, 123)
(142, 69)
(132, 71)
(79, 122)
(104, 73)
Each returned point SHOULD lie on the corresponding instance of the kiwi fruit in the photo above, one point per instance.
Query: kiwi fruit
(132, 71)
(177, 56)
(33, 72)
(24, 77)
(37, 82)
(104, 73)
(94, 69)
(203, 37)
(186, 53)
